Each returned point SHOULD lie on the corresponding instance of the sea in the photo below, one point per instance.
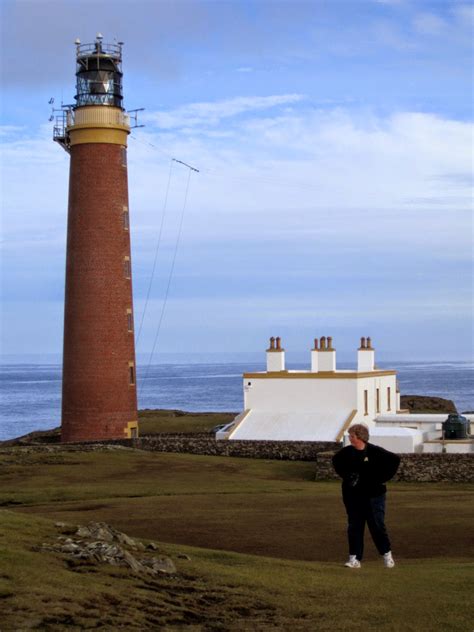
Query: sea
(30, 394)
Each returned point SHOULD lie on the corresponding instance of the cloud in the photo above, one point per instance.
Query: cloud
(464, 13)
(296, 213)
(212, 113)
(429, 24)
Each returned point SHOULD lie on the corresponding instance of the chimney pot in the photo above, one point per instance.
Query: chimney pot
(316, 341)
(362, 343)
(330, 342)
(278, 343)
(323, 342)
(369, 343)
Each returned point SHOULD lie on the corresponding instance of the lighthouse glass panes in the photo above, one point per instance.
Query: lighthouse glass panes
(99, 75)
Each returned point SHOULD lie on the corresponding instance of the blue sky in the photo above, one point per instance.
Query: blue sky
(334, 142)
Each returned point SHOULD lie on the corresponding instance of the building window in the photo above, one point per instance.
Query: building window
(377, 400)
(131, 373)
(125, 218)
(127, 268)
(124, 157)
(129, 320)
(366, 402)
(133, 433)
(389, 405)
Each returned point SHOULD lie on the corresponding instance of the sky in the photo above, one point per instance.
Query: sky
(334, 146)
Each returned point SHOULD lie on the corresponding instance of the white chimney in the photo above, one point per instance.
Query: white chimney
(327, 355)
(275, 356)
(315, 357)
(365, 356)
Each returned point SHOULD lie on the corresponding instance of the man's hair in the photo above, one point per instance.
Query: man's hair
(360, 431)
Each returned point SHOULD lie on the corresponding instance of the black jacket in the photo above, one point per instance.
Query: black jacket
(364, 472)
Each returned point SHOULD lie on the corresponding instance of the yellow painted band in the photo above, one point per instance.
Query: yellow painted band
(346, 425)
(132, 425)
(320, 375)
(80, 135)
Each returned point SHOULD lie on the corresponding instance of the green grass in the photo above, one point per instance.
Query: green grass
(266, 544)
(155, 421)
(150, 422)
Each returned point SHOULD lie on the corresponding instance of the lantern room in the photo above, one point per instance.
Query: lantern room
(98, 73)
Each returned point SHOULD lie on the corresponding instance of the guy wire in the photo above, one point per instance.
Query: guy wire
(169, 283)
(156, 253)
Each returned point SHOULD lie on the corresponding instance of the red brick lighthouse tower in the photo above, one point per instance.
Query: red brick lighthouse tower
(99, 399)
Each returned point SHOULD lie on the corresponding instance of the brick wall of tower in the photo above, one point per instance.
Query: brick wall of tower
(98, 399)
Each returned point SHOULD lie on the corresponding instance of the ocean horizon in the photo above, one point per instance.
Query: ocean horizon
(31, 391)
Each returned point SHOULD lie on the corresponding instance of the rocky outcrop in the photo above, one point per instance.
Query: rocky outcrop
(423, 404)
(99, 543)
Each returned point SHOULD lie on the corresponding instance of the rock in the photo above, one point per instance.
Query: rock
(426, 404)
(132, 562)
(60, 525)
(164, 565)
(100, 543)
(69, 547)
(83, 532)
(183, 556)
(152, 546)
(124, 539)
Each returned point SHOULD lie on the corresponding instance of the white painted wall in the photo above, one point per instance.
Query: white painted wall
(371, 384)
(399, 440)
(290, 394)
(365, 360)
(275, 361)
(327, 360)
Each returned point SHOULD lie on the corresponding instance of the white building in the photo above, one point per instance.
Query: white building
(319, 404)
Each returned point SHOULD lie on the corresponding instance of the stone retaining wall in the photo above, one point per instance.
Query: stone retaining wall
(207, 445)
(419, 468)
(432, 467)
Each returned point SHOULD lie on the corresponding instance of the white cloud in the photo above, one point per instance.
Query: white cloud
(299, 197)
(465, 14)
(211, 113)
(429, 24)
(313, 159)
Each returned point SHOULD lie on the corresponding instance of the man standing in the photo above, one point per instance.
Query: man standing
(364, 468)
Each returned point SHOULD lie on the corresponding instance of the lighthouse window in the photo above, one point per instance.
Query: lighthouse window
(124, 156)
(127, 268)
(389, 406)
(126, 218)
(377, 400)
(366, 402)
(131, 373)
(129, 320)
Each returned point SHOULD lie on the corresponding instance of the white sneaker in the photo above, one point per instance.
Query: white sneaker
(388, 560)
(353, 562)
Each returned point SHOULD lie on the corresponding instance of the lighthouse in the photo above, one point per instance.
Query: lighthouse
(99, 398)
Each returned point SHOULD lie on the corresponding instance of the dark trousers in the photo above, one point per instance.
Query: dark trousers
(359, 512)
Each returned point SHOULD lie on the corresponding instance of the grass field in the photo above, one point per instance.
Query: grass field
(266, 544)
(155, 421)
